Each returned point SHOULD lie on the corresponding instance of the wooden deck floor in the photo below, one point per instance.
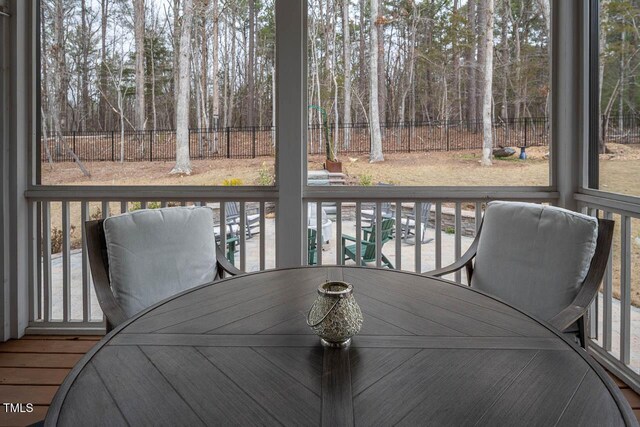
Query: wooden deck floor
(32, 369)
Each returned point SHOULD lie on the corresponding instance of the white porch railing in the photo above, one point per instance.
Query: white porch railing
(614, 326)
(61, 295)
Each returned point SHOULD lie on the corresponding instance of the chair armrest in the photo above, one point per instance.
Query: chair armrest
(465, 261)
(347, 237)
(225, 265)
(591, 284)
(568, 317)
(98, 261)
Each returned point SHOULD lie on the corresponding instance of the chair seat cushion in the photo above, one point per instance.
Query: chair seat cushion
(154, 254)
(534, 257)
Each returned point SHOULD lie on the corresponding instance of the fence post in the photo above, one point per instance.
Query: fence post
(446, 127)
(189, 142)
(525, 131)
(113, 143)
(228, 143)
(253, 143)
(411, 123)
(151, 145)
(74, 142)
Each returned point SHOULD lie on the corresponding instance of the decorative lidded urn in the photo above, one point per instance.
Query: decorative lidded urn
(335, 315)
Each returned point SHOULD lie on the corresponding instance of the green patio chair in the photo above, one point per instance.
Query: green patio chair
(368, 244)
(312, 247)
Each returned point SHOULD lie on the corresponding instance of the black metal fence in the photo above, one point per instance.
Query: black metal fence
(447, 135)
(160, 145)
(252, 142)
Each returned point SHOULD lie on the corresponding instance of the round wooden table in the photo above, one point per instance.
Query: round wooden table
(430, 352)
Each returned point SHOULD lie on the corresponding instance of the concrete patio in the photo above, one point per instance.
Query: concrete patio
(328, 258)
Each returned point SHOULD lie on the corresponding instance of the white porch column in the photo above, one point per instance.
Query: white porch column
(568, 97)
(291, 129)
(15, 139)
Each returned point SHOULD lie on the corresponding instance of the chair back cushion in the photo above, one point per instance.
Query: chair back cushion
(534, 257)
(157, 253)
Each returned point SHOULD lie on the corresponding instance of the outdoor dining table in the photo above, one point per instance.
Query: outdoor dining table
(430, 352)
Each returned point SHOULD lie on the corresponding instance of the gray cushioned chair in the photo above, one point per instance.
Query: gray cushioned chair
(544, 260)
(140, 258)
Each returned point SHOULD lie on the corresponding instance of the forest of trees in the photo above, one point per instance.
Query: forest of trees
(179, 64)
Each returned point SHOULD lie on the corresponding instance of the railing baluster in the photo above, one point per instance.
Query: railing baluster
(319, 237)
(164, 204)
(607, 299)
(594, 310)
(358, 232)
(625, 290)
(86, 278)
(263, 233)
(305, 232)
(458, 238)
(438, 231)
(418, 237)
(478, 216)
(46, 255)
(143, 204)
(378, 236)
(339, 248)
(66, 263)
(39, 258)
(399, 232)
(124, 207)
(243, 236)
(105, 209)
(32, 279)
(223, 228)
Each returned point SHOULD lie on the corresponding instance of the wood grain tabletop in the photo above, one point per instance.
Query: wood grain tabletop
(238, 352)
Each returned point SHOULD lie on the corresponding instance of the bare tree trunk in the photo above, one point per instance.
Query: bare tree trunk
(623, 77)
(374, 111)
(251, 66)
(196, 67)
(347, 73)
(153, 80)
(232, 80)
(472, 113)
(546, 12)
(515, 24)
(382, 83)
(58, 100)
(59, 91)
(362, 59)
(44, 108)
(176, 55)
(214, 77)
(412, 61)
(102, 107)
(504, 113)
(45, 136)
(604, 13)
(84, 71)
(487, 143)
(482, 20)
(139, 30)
(183, 163)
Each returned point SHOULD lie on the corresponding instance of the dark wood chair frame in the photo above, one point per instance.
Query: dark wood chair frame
(99, 263)
(574, 312)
